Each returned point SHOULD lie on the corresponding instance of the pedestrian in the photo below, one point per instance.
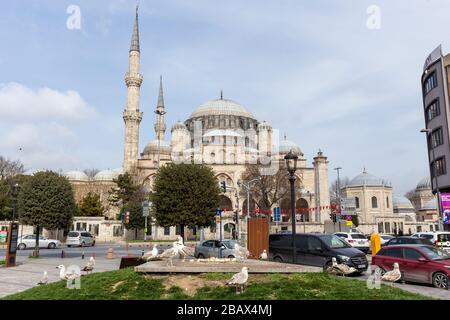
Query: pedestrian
(400, 232)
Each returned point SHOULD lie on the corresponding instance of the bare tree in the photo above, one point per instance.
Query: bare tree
(10, 168)
(410, 195)
(91, 172)
(271, 188)
(334, 186)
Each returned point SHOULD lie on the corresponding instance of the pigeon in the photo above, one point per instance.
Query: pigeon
(239, 280)
(44, 279)
(89, 266)
(393, 275)
(263, 255)
(242, 252)
(151, 254)
(341, 268)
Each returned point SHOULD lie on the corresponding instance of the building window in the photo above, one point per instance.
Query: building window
(167, 231)
(374, 202)
(436, 138)
(357, 202)
(438, 167)
(433, 110)
(387, 227)
(430, 83)
(117, 231)
(387, 202)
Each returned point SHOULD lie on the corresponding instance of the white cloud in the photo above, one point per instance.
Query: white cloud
(19, 102)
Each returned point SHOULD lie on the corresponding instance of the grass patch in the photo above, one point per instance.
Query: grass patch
(126, 284)
(2, 262)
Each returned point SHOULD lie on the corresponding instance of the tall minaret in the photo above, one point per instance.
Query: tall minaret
(160, 125)
(132, 116)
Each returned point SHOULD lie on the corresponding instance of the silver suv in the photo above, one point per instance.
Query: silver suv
(80, 239)
(214, 248)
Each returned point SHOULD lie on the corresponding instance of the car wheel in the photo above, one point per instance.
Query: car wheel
(277, 259)
(93, 243)
(68, 246)
(440, 280)
(200, 256)
(51, 245)
(22, 246)
(230, 256)
(82, 244)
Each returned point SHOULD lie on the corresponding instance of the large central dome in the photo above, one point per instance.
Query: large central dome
(221, 107)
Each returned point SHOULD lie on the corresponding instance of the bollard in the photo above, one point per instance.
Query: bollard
(82, 255)
(110, 253)
(142, 253)
(62, 254)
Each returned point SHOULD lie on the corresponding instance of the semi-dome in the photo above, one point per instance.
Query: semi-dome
(425, 183)
(367, 179)
(287, 145)
(106, 175)
(76, 176)
(401, 202)
(152, 147)
(178, 126)
(225, 107)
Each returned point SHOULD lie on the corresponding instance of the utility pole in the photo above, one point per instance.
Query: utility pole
(338, 195)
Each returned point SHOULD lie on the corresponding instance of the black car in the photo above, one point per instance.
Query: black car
(408, 240)
(315, 250)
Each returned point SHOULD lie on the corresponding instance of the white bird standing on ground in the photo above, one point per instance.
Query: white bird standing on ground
(170, 253)
(263, 255)
(239, 280)
(44, 279)
(183, 250)
(63, 275)
(90, 265)
(393, 275)
(151, 254)
(242, 252)
(342, 268)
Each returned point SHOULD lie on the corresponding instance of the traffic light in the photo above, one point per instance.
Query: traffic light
(223, 186)
(127, 218)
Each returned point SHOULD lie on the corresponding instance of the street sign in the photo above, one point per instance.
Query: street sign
(13, 235)
(276, 214)
(3, 235)
(145, 211)
(348, 206)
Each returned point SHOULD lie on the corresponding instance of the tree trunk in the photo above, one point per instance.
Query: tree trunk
(135, 234)
(36, 248)
(182, 231)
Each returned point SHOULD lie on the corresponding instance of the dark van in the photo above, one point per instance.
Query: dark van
(316, 250)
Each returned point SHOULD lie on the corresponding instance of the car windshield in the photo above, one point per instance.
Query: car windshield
(358, 236)
(72, 234)
(334, 242)
(229, 243)
(435, 253)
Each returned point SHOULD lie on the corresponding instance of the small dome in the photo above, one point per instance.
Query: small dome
(430, 205)
(287, 145)
(401, 202)
(106, 175)
(425, 183)
(119, 170)
(178, 126)
(264, 126)
(76, 176)
(367, 179)
(221, 107)
(152, 147)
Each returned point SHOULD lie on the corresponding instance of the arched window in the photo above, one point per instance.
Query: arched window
(247, 142)
(357, 202)
(387, 202)
(374, 202)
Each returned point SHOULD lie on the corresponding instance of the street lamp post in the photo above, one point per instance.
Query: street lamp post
(15, 193)
(247, 187)
(434, 175)
(291, 164)
(338, 195)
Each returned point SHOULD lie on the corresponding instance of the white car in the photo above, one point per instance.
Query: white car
(440, 239)
(79, 239)
(385, 238)
(356, 240)
(29, 241)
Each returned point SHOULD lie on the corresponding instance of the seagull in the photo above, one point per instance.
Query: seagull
(170, 253)
(263, 255)
(44, 279)
(89, 266)
(239, 280)
(66, 276)
(151, 254)
(393, 275)
(341, 268)
(183, 250)
(243, 253)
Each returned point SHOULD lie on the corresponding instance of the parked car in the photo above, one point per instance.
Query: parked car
(316, 250)
(408, 240)
(80, 239)
(214, 248)
(384, 238)
(439, 239)
(29, 241)
(418, 263)
(356, 240)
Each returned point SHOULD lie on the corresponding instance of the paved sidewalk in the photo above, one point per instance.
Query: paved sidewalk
(29, 271)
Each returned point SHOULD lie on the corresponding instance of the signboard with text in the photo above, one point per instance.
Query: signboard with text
(348, 206)
(445, 205)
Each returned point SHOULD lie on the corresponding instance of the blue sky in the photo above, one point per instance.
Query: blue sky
(311, 68)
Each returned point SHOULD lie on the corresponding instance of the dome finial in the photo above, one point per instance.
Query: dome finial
(364, 169)
(221, 94)
(285, 138)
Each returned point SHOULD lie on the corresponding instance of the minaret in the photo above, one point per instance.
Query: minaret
(160, 125)
(132, 116)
